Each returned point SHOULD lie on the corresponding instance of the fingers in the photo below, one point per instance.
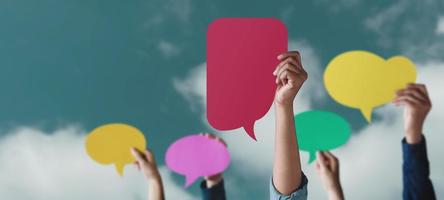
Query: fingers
(221, 141)
(284, 67)
(332, 159)
(415, 93)
(321, 159)
(214, 137)
(317, 165)
(139, 156)
(287, 67)
(291, 79)
(135, 163)
(149, 156)
(408, 99)
(419, 91)
(414, 96)
(208, 135)
(289, 62)
(421, 88)
(414, 90)
(288, 71)
(282, 77)
(289, 54)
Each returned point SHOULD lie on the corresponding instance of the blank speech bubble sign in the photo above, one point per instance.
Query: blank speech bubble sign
(364, 80)
(320, 131)
(195, 156)
(241, 57)
(111, 144)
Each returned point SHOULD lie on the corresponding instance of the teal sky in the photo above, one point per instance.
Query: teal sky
(94, 62)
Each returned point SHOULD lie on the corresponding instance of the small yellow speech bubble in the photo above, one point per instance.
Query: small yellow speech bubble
(363, 80)
(112, 143)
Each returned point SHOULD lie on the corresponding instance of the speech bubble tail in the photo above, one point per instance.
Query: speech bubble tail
(367, 112)
(249, 128)
(119, 168)
(189, 180)
(312, 157)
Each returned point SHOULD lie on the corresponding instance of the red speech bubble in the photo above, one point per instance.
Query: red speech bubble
(241, 58)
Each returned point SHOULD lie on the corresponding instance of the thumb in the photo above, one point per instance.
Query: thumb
(150, 156)
(138, 156)
(321, 160)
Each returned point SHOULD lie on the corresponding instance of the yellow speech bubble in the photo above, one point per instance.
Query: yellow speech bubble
(112, 143)
(363, 80)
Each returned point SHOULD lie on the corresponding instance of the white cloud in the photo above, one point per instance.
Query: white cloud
(370, 162)
(440, 26)
(42, 166)
(180, 8)
(409, 27)
(387, 16)
(372, 159)
(168, 10)
(339, 5)
(168, 49)
(193, 87)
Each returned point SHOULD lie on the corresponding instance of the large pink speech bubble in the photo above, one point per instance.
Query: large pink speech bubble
(241, 57)
(195, 156)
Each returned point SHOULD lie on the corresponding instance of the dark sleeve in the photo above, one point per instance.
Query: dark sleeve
(416, 181)
(216, 192)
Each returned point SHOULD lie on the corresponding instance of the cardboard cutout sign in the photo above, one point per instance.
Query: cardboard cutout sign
(363, 80)
(320, 131)
(241, 57)
(112, 143)
(195, 156)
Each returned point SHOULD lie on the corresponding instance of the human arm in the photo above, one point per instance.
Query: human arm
(212, 187)
(416, 173)
(327, 168)
(286, 166)
(146, 163)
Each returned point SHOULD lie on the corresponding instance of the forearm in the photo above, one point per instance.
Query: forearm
(213, 192)
(286, 168)
(336, 194)
(416, 171)
(155, 190)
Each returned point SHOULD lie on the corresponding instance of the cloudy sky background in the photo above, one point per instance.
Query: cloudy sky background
(67, 67)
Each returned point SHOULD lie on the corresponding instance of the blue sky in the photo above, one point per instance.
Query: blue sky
(68, 66)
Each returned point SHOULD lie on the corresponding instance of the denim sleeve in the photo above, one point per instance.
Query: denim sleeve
(415, 172)
(216, 192)
(299, 193)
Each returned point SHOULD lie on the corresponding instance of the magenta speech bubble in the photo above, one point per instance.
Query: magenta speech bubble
(196, 155)
(241, 57)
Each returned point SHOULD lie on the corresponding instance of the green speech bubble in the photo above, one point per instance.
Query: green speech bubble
(320, 130)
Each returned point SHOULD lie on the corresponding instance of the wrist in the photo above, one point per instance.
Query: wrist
(155, 177)
(413, 135)
(413, 138)
(284, 106)
(334, 189)
(335, 193)
(211, 183)
(155, 184)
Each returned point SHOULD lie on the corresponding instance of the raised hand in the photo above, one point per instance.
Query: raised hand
(146, 163)
(417, 105)
(289, 77)
(327, 167)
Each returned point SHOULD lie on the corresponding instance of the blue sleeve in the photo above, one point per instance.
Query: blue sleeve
(416, 181)
(216, 192)
(300, 193)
